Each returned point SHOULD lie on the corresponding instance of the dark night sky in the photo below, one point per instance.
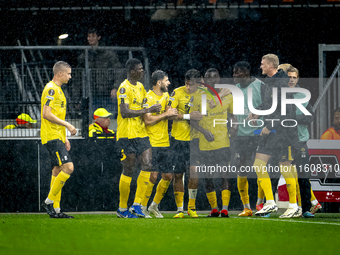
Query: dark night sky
(193, 39)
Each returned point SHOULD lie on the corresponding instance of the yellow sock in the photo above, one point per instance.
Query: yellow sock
(212, 199)
(58, 183)
(226, 197)
(287, 173)
(312, 198)
(148, 193)
(124, 190)
(179, 198)
(264, 179)
(57, 198)
(243, 186)
(260, 193)
(162, 187)
(294, 172)
(142, 184)
(192, 204)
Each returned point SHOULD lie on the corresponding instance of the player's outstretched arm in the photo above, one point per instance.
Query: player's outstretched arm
(126, 112)
(150, 119)
(48, 115)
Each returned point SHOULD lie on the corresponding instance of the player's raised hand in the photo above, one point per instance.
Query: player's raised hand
(196, 115)
(253, 117)
(155, 108)
(72, 129)
(172, 112)
(212, 104)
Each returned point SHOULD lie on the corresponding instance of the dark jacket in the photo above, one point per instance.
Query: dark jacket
(286, 134)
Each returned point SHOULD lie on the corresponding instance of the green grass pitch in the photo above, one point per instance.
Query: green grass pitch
(106, 234)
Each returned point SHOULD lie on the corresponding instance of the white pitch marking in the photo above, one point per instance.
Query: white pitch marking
(295, 221)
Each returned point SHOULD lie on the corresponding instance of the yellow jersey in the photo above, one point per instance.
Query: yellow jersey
(99, 132)
(194, 97)
(54, 97)
(180, 128)
(220, 131)
(158, 133)
(134, 96)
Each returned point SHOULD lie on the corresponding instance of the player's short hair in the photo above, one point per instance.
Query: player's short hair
(284, 67)
(243, 66)
(212, 70)
(156, 76)
(60, 66)
(192, 74)
(292, 70)
(93, 30)
(272, 58)
(131, 64)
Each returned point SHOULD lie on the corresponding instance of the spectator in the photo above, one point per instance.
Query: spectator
(102, 79)
(100, 128)
(333, 133)
(23, 121)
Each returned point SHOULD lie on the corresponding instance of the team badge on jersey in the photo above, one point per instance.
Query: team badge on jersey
(173, 94)
(51, 92)
(145, 100)
(122, 91)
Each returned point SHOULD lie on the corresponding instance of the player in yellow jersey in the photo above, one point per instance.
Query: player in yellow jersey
(53, 136)
(157, 129)
(132, 138)
(214, 143)
(180, 140)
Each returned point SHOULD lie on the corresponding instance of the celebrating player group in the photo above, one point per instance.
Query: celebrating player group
(196, 142)
(142, 134)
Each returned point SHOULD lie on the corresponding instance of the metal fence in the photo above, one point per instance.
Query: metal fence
(22, 83)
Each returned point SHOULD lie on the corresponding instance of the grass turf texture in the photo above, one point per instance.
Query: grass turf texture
(106, 234)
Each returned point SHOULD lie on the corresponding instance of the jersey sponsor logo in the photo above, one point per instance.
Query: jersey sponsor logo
(52, 98)
(51, 92)
(122, 96)
(171, 98)
(122, 90)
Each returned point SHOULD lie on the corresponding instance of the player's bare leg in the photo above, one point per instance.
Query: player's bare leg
(162, 188)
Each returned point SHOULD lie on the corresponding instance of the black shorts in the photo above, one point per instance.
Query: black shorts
(195, 152)
(180, 155)
(243, 149)
(160, 160)
(219, 157)
(58, 152)
(276, 146)
(215, 164)
(133, 146)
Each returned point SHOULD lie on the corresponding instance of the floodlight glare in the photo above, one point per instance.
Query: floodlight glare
(63, 36)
